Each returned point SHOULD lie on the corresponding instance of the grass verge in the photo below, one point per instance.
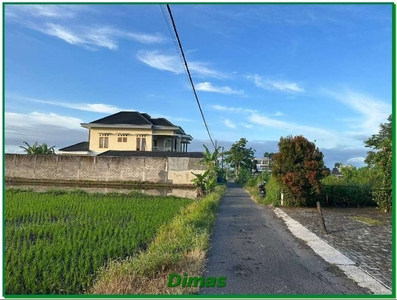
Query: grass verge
(367, 220)
(254, 193)
(180, 247)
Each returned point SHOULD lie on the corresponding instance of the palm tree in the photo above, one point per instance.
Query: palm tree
(38, 149)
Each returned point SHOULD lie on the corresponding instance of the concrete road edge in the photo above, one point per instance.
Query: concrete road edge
(333, 256)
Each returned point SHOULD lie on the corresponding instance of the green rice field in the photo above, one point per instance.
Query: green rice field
(55, 242)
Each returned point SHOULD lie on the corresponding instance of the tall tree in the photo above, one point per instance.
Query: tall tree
(380, 158)
(299, 167)
(269, 155)
(239, 157)
(339, 166)
(38, 149)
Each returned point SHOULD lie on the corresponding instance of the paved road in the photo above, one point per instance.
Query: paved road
(254, 250)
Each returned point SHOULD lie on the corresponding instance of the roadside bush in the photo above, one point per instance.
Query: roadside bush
(243, 176)
(252, 182)
(272, 192)
(347, 195)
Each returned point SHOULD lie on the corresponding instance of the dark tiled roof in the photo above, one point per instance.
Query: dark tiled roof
(133, 118)
(146, 116)
(152, 154)
(125, 117)
(161, 122)
(335, 171)
(83, 146)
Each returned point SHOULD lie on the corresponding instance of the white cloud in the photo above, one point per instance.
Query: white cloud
(272, 85)
(356, 160)
(173, 63)
(325, 137)
(246, 125)
(54, 20)
(36, 118)
(96, 36)
(53, 129)
(63, 33)
(229, 123)
(278, 114)
(372, 111)
(208, 87)
(45, 11)
(143, 38)
(159, 61)
(91, 107)
(200, 68)
(232, 109)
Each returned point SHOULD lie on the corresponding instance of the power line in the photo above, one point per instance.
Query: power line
(172, 33)
(188, 72)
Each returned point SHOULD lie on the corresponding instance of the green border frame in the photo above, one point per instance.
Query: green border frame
(394, 161)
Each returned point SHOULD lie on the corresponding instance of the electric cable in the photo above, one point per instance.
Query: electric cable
(188, 73)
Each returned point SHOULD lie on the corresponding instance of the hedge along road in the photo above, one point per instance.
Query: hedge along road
(258, 255)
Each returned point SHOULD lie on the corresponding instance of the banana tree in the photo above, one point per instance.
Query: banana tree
(38, 149)
(200, 182)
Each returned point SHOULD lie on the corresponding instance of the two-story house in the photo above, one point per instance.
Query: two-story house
(263, 164)
(130, 131)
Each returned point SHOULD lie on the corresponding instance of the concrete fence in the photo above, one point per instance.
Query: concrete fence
(160, 170)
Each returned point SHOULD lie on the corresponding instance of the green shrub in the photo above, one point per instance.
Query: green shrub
(252, 182)
(346, 195)
(243, 176)
(272, 192)
(273, 195)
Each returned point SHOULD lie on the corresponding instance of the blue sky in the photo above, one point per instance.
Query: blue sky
(261, 72)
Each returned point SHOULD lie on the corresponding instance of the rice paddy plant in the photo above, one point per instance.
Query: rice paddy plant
(56, 242)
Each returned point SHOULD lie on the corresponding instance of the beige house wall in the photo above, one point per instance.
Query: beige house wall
(113, 135)
(163, 132)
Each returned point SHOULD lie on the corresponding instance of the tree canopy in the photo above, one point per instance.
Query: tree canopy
(239, 157)
(299, 167)
(380, 158)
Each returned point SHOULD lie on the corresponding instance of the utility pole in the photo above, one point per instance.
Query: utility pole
(222, 159)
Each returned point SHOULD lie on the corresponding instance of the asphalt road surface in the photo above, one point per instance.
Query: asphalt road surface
(258, 255)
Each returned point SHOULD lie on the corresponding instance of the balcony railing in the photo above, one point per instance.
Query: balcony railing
(162, 149)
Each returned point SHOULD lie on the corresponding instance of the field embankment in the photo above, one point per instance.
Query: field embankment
(57, 241)
(180, 247)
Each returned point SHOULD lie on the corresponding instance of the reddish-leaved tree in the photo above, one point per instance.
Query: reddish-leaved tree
(299, 167)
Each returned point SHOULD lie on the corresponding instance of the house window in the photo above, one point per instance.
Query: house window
(103, 140)
(141, 142)
(122, 138)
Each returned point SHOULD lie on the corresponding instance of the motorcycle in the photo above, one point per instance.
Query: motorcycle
(262, 189)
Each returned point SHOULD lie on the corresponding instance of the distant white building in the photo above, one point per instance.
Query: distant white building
(262, 164)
